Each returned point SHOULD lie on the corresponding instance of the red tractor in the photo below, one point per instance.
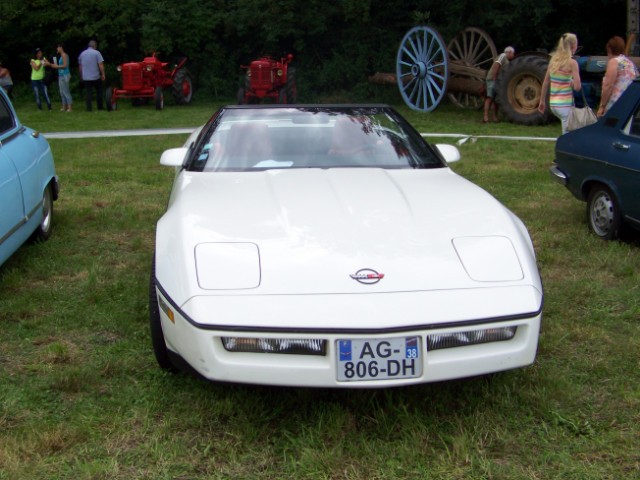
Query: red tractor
(147, 79)
(269, 78)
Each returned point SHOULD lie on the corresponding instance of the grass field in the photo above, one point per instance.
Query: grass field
(82, 398)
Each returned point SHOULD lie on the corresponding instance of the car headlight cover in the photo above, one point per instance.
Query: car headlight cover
(471, 337)
(296, 346)
(489, 259)
(227, 266)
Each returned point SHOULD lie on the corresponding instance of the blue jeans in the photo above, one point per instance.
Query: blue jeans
(39, 87)
(65, 92)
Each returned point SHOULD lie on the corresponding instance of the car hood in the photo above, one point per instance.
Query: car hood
(336, 231)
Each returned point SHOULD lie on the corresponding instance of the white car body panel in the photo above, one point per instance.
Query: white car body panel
(279, 253)
(347, 220)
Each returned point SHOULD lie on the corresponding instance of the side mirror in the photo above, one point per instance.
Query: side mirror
(174, 157)
(449, 152)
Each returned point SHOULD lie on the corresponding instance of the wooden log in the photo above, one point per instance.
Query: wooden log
(456, 68)
(471, 86)
(380, 78)
(456, 84)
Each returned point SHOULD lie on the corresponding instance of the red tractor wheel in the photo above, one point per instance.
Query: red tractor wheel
(158, 98)
(182, 87)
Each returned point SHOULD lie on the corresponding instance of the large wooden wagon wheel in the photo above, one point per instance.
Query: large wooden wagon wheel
(422, 69)
(471, 54)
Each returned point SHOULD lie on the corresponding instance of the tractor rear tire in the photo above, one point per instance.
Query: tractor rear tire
(240, 96)
(291, 87)
(520, 87)
(109, 101)
(158, 98)
(182, 87)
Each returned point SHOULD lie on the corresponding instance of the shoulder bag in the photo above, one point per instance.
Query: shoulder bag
(581, 117)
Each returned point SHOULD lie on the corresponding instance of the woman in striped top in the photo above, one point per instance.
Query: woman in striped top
(561, 79)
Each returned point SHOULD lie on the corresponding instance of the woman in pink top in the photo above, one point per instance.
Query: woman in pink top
(620, 73)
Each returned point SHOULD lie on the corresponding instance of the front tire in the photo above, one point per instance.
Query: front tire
(43, 232)
(603, 213)
(291, 87)
(157, 336)
(240, 96)
(112, 105)
(158, 98)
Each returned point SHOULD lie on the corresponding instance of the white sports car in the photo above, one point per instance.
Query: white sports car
(331, 246)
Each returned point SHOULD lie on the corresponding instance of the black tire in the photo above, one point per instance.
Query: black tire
(603, 213)
(43, 232)
(157, 337)
(111, 104)
(182, 88)
(520, 87)
(291, 87)
(158, 98)
(240, 96)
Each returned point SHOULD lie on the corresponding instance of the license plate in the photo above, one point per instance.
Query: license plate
(378, 359)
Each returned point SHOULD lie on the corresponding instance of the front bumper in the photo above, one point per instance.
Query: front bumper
(201, 347)
(558, 175)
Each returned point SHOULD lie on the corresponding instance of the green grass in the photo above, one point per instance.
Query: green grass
(82, 398)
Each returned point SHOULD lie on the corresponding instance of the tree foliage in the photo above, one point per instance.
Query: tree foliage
(337, 45)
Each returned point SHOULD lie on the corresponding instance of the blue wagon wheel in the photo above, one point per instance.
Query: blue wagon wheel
(422, 69)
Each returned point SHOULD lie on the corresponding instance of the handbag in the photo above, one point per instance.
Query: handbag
(581, 117)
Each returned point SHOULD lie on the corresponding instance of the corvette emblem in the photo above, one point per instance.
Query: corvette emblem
(367, 276)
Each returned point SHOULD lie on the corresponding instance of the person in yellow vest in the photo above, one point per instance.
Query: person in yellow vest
(37, 77)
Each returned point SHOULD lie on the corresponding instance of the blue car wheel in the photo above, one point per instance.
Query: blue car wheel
(603, 213)
(43, 232)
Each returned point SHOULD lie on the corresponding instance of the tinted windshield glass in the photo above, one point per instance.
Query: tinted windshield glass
(310, 137)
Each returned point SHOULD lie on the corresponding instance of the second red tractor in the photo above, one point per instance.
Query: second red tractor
(269, 78)
(146, 80)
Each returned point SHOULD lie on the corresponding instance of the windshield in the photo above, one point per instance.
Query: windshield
(310, 137)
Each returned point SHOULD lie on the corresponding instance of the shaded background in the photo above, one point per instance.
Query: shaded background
(337, 45)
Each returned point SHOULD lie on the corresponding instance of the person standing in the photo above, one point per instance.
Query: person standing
(64, 77)
(619, 74)
(5, 80)
(561, 79)
(37, 79)
(490, 100)
(91, 66)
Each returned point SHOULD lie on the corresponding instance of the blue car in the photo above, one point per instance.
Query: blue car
(600, 164)
(28, 183)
